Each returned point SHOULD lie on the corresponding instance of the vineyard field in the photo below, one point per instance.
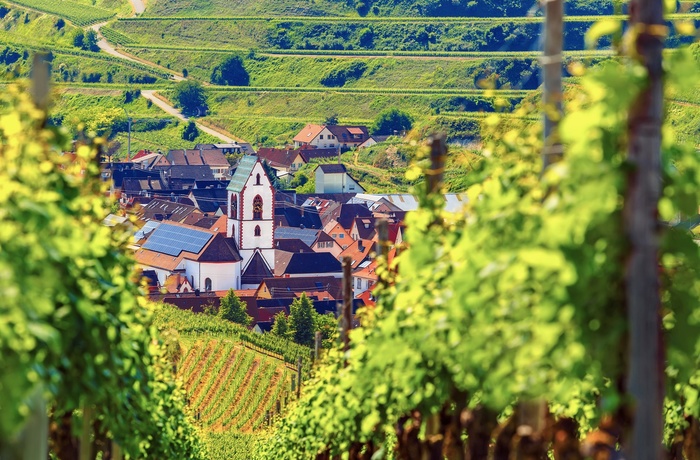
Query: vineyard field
(79, 14)
(231, 388)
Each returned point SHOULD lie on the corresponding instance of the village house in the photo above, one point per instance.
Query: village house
(334, 178)
(331, 136)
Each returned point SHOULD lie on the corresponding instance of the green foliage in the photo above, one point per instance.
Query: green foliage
(233, 309)
(521, 295)
(340, 76)
(190, 97)
(301, 320)
(190, 131)
(90, 41)
(79, 13)
(392, 121)
(73, 323)
(327, 325)
(231, 72)
(280, 326)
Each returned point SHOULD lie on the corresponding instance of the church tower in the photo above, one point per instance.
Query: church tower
(251, 209)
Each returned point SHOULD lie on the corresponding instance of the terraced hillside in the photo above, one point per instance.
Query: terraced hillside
(231, 388)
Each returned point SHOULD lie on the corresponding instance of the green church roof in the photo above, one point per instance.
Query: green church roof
(240, 177)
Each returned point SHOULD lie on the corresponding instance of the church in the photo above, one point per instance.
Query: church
(238, 256)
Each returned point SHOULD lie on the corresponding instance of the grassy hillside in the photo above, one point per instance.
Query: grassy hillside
(150, 128)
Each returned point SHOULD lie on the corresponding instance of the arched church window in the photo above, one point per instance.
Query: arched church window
(257, 208)
(207, 284)
(257, 179)
(257, 230)
(233, 212)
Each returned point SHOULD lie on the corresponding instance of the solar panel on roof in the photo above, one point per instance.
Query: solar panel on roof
(172, 240)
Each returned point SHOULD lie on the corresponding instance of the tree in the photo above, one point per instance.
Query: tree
(392, 120)
(331, 119)
(90, 41)
(281, 325)
(78, 39)
(190, 97)
(233, 309)
(190, 132)
(231, 72)
(301, 321)
(327, 325)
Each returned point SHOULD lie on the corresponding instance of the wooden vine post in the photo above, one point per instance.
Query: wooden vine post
(645, 382)
(551, 66)
(299, 365)
(346, 319)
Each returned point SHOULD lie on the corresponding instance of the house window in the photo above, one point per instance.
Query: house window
(257, 208)
(257, 179)
(359, 283)
(207, 284)
(321, 137)
(341, 235)
(257, 230)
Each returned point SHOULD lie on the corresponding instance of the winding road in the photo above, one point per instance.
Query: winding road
(139, 7)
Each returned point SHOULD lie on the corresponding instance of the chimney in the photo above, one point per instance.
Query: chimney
(360, 247)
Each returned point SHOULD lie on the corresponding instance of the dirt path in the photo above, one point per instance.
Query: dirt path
(169, 109)
(139, 6)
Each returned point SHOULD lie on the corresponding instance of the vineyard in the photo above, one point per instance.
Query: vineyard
(230, 387)
(79, 14)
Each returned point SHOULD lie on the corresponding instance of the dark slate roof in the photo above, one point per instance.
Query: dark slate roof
(289, 287)
(194, 173)
(243, 171)
(292, 245)
(307, 235)
(152, 277)
(347, 214)
(264, 326)
(333, 168)
(220, 249)
(331, 306)
(256, 271)
(211, 184)
(312, 154)
(306, 263)
(323, 236)
(165, 210)
(210, 199)
(306, 217)
(365, 227)
(206, 222)
(337, 197)
(277, 157)
(121, 173)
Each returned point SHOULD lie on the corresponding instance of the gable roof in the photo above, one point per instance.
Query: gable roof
(158, 209)
(289, 287)
(347, 133)
(307, 235)
(347, 213)
(196, 157)
(332, 168)
(256, 270)
(304, 217)
(324, 237)
(277, 157)
(220, 249)
(243, 172)
(365, 227)
(358, 252)
(308, 133)
(307, 263)
(311, 154)
(292, 245)
(192, 172)
(210, 199)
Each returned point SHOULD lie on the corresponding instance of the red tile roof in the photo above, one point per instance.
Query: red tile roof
(309, 133)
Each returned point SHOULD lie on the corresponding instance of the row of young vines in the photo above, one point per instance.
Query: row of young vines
(502, 331)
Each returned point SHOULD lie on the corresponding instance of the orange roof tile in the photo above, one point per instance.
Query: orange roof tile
(309, 133)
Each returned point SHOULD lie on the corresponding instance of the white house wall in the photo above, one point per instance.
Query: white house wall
(223, 276)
